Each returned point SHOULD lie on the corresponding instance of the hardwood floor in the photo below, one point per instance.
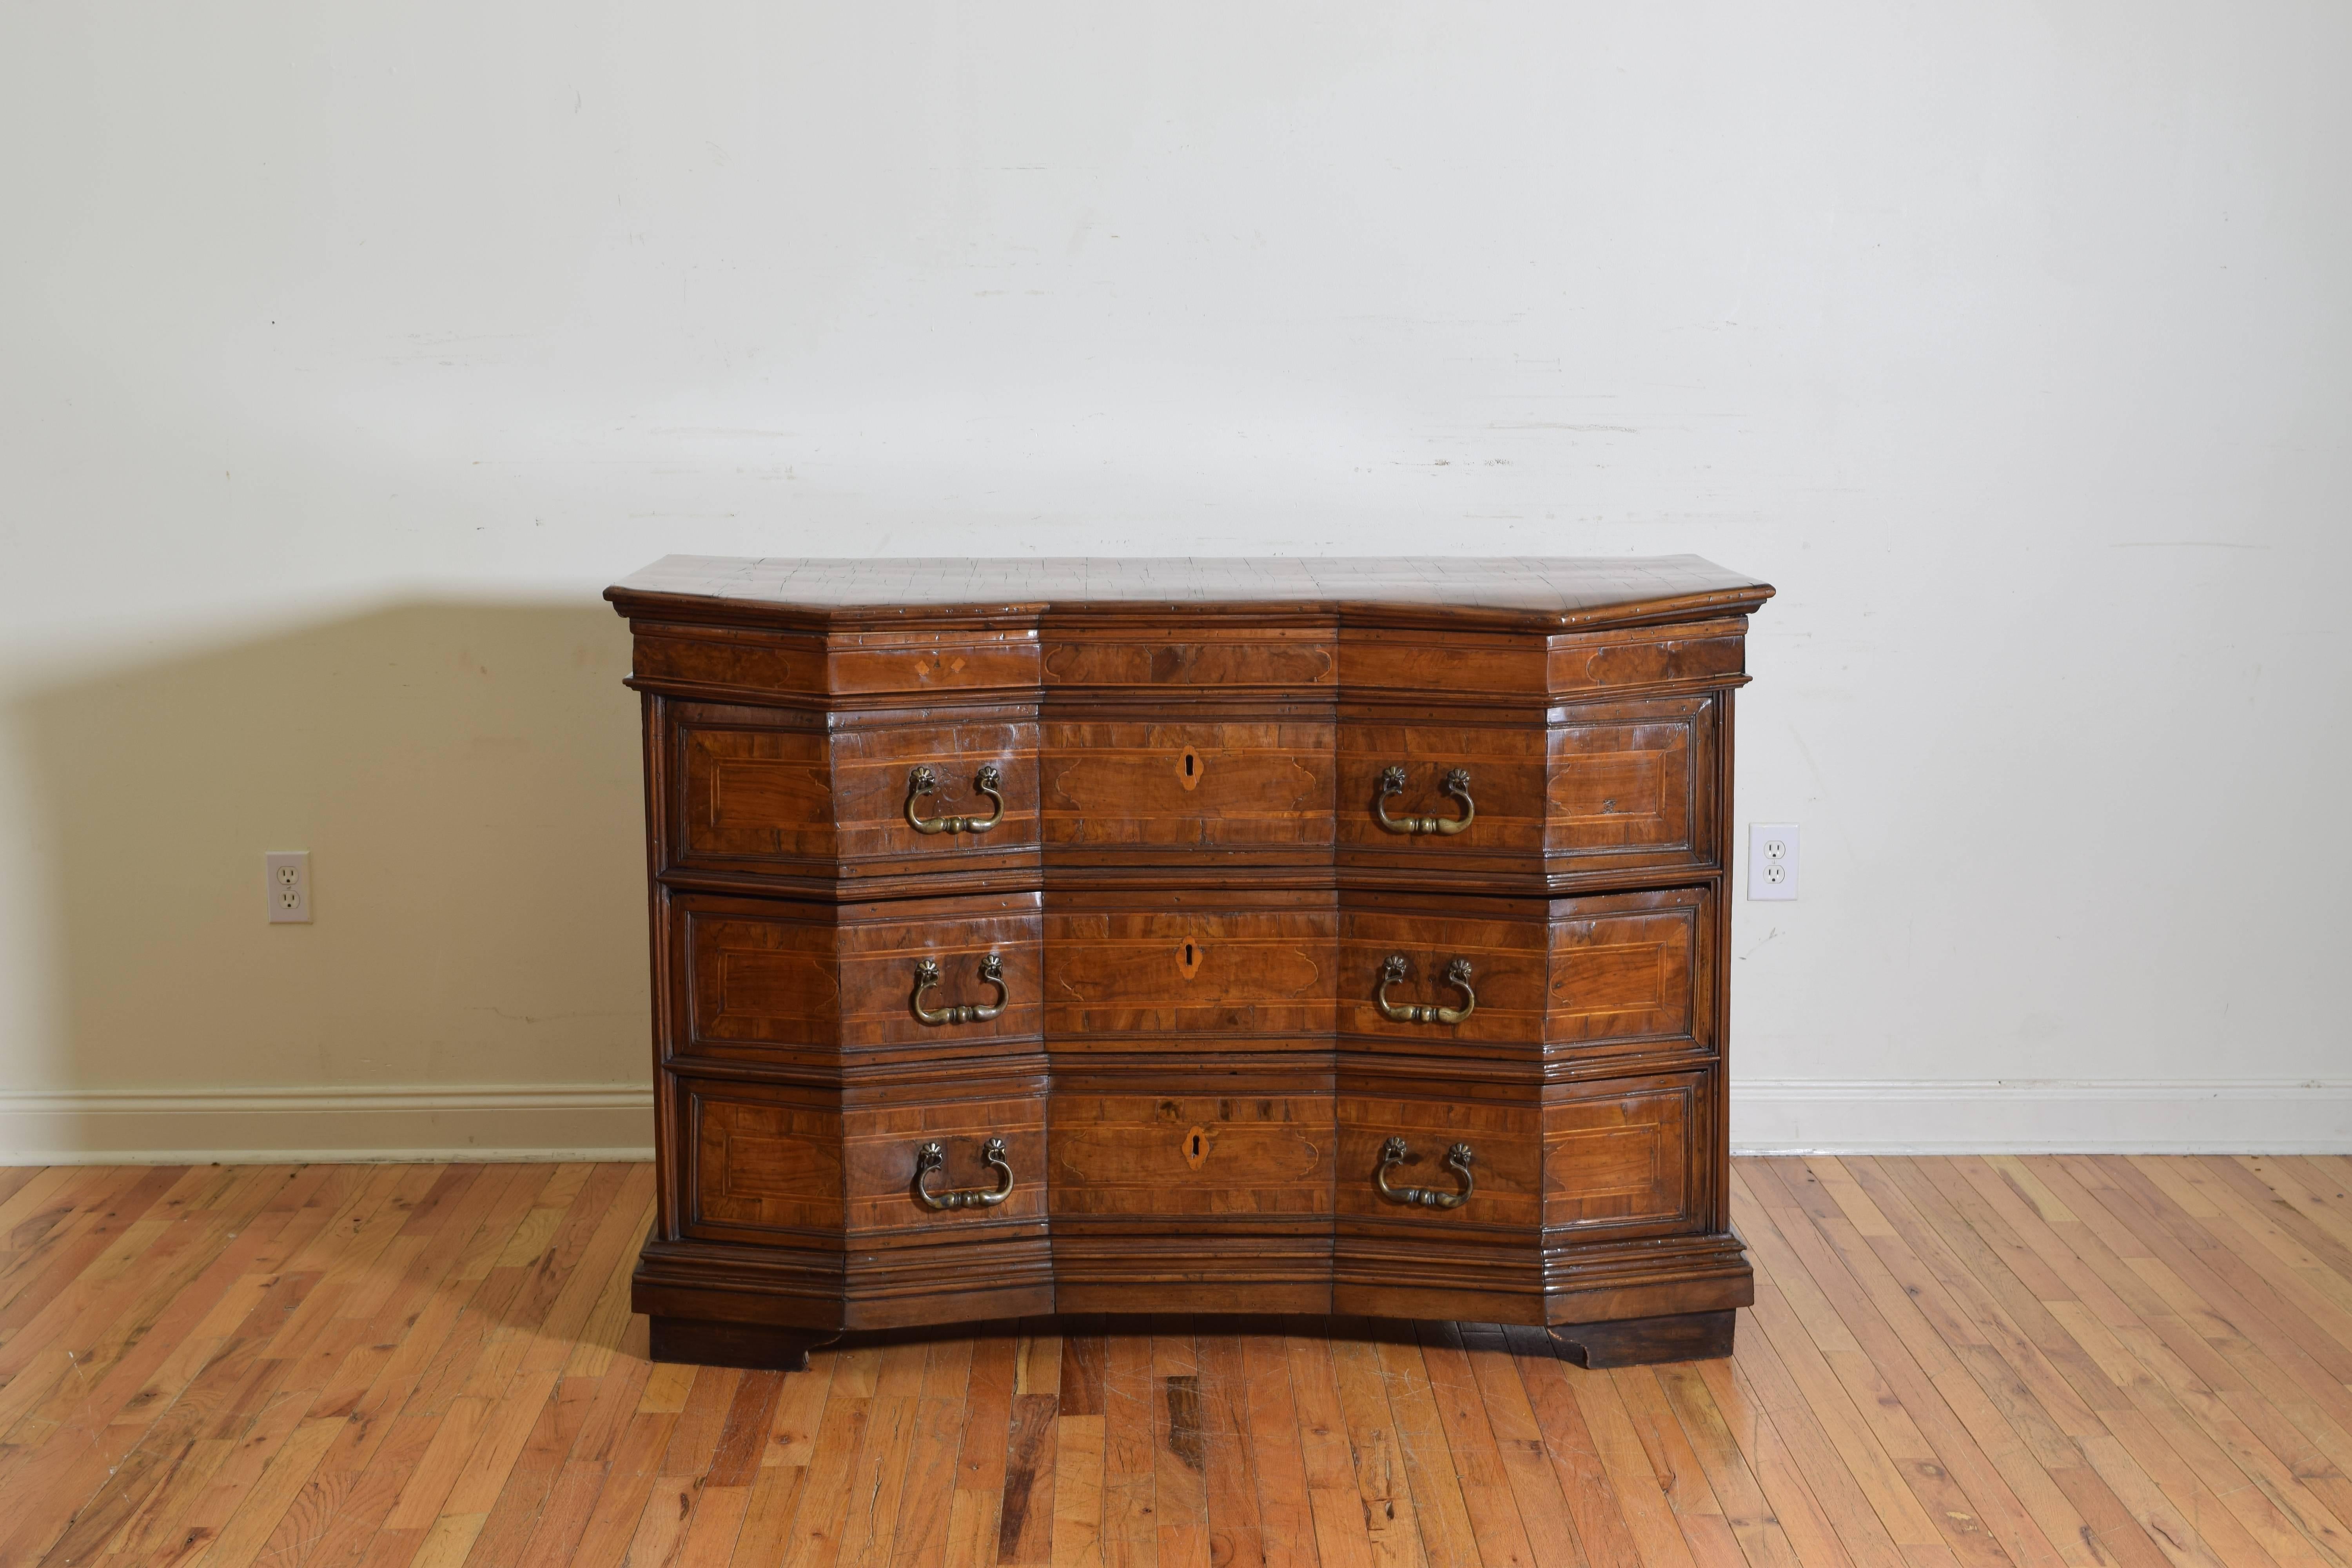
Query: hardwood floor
(1950, 1364)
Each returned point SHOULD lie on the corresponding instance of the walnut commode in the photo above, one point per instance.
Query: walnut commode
(1306, 936)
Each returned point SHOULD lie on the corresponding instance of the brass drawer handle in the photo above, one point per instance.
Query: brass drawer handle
(1457, 785)
(921, 782)
(927, 976)
(931, 1157)
(1457, 1160)
(1458, 974)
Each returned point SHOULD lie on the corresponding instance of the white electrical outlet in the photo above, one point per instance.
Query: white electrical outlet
(290, 886)
(1772, 860)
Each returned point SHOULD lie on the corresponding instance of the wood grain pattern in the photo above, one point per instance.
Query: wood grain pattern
(1256, 785)
(1124, 967)
(781, 983)
(1233, 1157)
(2067, 1361)
(774, 792)
(1382, 590)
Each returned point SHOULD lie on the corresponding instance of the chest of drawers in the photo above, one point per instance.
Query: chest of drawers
(1304, 936)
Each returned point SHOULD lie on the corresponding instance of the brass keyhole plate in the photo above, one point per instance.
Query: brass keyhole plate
(1189, 769)
(1196, 1146)
(1188, 958)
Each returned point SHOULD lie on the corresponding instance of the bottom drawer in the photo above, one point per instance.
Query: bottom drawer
(1247, 1159)
(1439, 1199)
(1626, 1157)
(884, 1196)
(1395, 1140)
(1207, 1191)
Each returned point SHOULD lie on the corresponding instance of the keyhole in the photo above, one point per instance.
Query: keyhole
(1188, 764)
(1187, 959)
(1188, 768)
(1196, 1146)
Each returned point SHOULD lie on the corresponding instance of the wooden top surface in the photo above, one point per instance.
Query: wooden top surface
(1559, 590)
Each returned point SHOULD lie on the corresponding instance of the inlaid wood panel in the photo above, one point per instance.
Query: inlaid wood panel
(1625, 972)
(901, 663)
(810, 666)
(1622, 1157)
(1179, 791)
(771, 1158)
(750, 794)
(879, 1145)
(725, 659)
(1183, 652)
(1703, 651)
(1234, 1160)
(1500, 1123)
(764, 975)
(1594, 975)
(761, 795)
(1441, 665)
(1506, 768)
(1190, 963)
(764, 1165)
(1505, 940)
(1631, 784)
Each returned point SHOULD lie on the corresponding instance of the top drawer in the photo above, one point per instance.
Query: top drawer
(1220, 788)
(794, 797)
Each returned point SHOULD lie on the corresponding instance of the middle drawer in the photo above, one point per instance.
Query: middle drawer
(1607, 974)
(786, 983)
(1124, 966)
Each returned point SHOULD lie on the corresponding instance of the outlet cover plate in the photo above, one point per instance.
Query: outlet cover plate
(1772, 860)
(289, 877)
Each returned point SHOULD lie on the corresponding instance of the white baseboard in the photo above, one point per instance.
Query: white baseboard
(273, 1126)
(615, 1121)
(2041, 1116)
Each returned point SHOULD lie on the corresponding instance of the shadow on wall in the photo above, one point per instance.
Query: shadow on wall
(466, 778)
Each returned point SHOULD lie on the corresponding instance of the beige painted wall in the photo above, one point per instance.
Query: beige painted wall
(346, 353)
(466, 777)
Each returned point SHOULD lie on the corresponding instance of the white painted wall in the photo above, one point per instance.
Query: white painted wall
(345, 352)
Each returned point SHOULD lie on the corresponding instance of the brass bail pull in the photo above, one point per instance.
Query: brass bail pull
(922, 781)
(927, 977)
(1458, 1160)
(1458, 974)
(1456, 783)
(932, 1157)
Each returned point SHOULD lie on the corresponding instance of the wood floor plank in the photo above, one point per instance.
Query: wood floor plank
(1180, 1486)
(1965, 1362)
(1440, 1477)
(1473, 1370)
(1130, 1534)
(1348, 1534)
(1285, 1504)
(1228, 1453)
(919, 1539)
(1603, 1533)
(1390, 1507)
(1983, 1518)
